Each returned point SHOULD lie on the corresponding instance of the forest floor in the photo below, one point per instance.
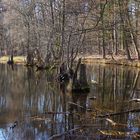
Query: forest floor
(117, 60)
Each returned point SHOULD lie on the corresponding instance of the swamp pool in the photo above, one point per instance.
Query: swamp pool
(34, 106)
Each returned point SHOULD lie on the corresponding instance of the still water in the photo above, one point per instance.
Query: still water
(33, 105)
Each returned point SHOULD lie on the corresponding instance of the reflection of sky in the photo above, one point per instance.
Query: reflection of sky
(17, 135)
(25, 2)
(41, 102)
(132, 8)
(42, 99)
(38, 11)
(42, 136)
(2, 137)
(131, 122)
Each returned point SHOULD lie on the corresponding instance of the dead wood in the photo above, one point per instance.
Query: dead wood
(118, 113)
(64, 133)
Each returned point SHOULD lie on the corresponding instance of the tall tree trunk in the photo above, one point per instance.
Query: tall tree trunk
(122, 7)
(115, 41)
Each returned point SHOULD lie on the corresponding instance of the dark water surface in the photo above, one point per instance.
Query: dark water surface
(33, 106)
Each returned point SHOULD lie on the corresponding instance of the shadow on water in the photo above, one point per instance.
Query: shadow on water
(33, 105)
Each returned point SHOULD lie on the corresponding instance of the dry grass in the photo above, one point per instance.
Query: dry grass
(17, 59)
(119, 60)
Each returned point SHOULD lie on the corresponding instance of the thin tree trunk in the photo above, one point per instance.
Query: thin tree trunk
(134, 37)
(103, 34)
(63, 30)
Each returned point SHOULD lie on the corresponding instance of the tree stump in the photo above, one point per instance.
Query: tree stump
(83, 75)
(80, 84)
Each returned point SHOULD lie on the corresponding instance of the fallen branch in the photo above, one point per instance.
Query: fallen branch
(118, 113)
(135, 100)
(119, 134)
(87, 109)
(64, 133)
(114, 124)
(95, 136)
(76, 105)
(58, 113)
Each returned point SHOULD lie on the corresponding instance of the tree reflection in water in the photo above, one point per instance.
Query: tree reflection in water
(43, 109)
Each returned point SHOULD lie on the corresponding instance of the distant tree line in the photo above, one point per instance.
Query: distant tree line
(60, 30)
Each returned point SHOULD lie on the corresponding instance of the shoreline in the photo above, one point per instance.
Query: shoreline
(123, 61)
(17, 59)
(117, 60)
